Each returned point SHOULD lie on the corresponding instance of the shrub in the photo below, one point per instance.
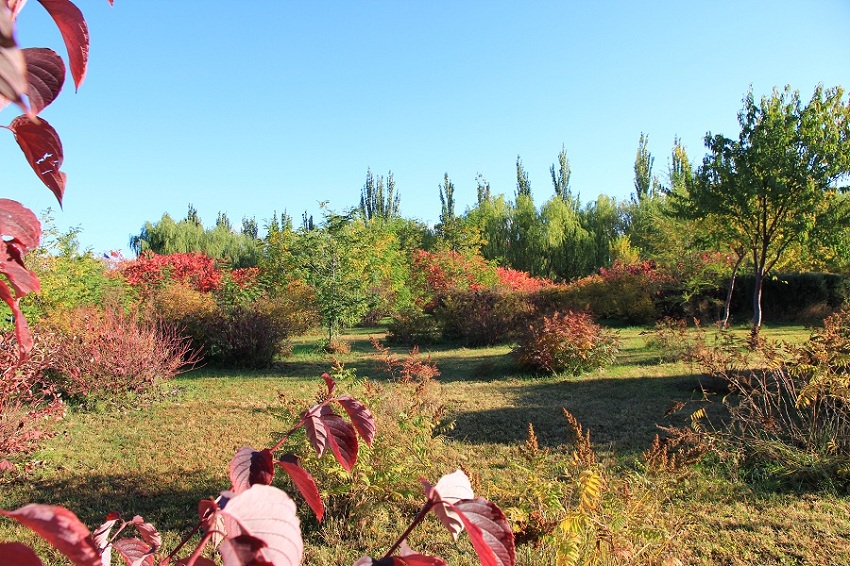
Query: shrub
(790, 410)
(566, 343)
(670, 339)
(438, 273)
(483, 317)
(28, 403)
(111, 352)
(412, 327)
(245, 336)
(251, 333)
(151, 270)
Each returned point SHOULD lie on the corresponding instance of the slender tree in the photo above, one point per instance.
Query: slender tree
(523, 187)
(768, 187)
(561, 177)
(643, 168)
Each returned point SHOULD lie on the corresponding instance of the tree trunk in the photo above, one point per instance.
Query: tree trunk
(727, 305)
(757, 314)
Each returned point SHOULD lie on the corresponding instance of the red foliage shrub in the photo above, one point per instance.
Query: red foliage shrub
(434, 274)
(570, 343)
(111, 352)
(520, 281)
(151, 270)
(28, 403)
(245, 277)
(412, 369)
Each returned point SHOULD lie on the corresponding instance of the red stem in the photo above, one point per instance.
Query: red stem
(419, 517)
(183, 542)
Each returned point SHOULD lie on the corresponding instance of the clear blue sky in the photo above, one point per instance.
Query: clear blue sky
(255, 106)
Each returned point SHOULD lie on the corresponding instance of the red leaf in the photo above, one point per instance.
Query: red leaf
(75, 33)
(18, 554)
(43, 149)
(45, 75)
(249, 467)
(268, 514)
(134, 551)
(62, 529)
(342, 438)
(244, 550)
(15, 7)
(199, 561)
(101, 538)
(450, 489)
(317, 434)
(22, 329)
(361, 417)
(304, 482)
(409, 560)
(330, 383)
(489, 531)
(149, 533)
(19, 226)
(13, 66)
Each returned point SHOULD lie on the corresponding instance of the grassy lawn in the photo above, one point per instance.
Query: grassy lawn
(161, 459)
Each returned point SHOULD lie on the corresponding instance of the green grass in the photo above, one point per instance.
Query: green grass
(160, 460)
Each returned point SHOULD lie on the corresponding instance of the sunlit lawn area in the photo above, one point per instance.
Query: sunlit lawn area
(160, 459)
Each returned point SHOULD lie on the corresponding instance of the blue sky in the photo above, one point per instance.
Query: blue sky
(255, 106)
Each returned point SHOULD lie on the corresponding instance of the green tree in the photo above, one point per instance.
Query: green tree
(447, 201)
(523, 187)
(221, 242)
(377, 200)
(768, 187)
(603, 220)
(561, 177)
(643, 169)
(567, 245)
(483, 188)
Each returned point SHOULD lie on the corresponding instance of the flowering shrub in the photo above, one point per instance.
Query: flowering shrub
(111, 352)
(566, 343)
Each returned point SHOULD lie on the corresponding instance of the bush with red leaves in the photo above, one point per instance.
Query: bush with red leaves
(111, 352)
(566, 343)
(151, 270)
(28, 402)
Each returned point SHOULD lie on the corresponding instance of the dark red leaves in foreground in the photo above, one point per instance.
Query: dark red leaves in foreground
(43, 149)
(304, 482)
(45, 76)
(19, 233)
(17, 554)
(489, 531)
(62, 529)
(75, 33)
(361, 417)
(249, 467)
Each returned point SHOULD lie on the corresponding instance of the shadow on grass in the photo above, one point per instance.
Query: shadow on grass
(621, 414)
(171, 504)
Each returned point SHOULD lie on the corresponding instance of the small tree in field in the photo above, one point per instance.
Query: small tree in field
(772, 186)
